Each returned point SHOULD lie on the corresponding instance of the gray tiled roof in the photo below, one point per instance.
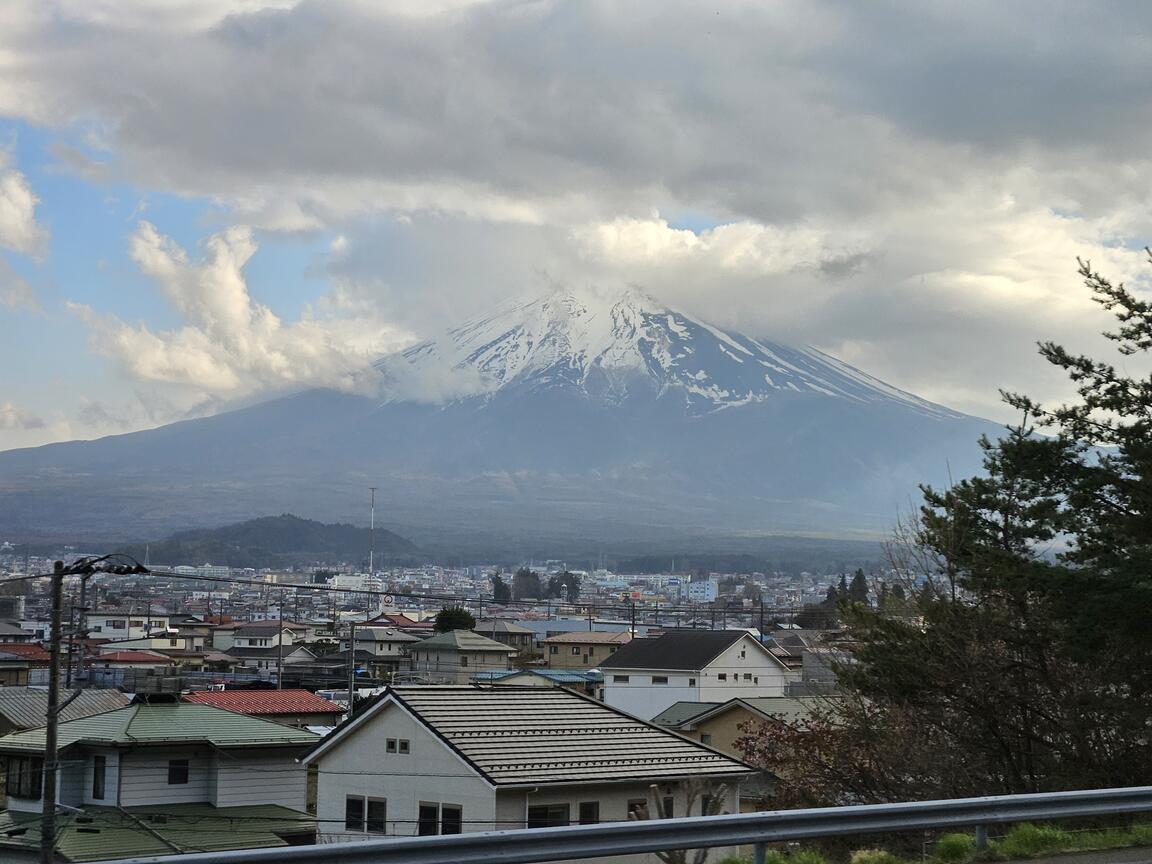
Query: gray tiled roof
(24, 707)
(680, 712)
(539, 735)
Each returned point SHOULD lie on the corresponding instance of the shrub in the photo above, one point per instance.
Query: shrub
(955, 848)
(873, 856)
(806, 856)
(1028, 841)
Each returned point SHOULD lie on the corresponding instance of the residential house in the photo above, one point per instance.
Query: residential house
(159, 780)
(260, 634)
(456, 759)
(581, 650)
(12, 633)
(509, 633)
(36, 655)
(117, 624)
(13, 669)
(257, 659)
(646, 676)
(402, 622)
(298, 708)
(454, 657)
(170, 640)
(588, 682)
(722, 725)
(26, 707)
(381, 648)
(129, 659)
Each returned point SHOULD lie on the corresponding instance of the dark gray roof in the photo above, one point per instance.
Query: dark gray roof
(546, 735)
(24, 707)
(686, 649)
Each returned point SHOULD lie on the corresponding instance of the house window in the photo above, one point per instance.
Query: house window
(705, 738)
(135, 623)
(548, 816)
(637, 805)
(99, 765)
(177, 772)
(553, 649)
(463, 659)
(575, 650)
(589, 812)
(591, 650)
(405, 749)
(115, 625)
(619, 679)
(723, 676)
(390, 745)
(353, 813)
(747, 676)
(691, 682)
(428, 819)
(669, 808)
(24, 777)
(743, 652)
(377, 821)
(659, 679)
(451, 819)
(172, 643)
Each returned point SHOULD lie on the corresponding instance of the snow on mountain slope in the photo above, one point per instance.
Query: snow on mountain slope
(603, 345)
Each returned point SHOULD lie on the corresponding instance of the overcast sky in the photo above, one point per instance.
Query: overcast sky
(205, 203)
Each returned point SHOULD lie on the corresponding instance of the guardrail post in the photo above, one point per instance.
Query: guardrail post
(981, 838)
(758, 853)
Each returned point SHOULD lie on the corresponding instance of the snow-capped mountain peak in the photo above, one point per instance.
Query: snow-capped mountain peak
(608, 345)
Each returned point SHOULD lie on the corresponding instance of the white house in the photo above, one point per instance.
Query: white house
(125, 625)
(452, 759)
(646, 676)
(185, 772)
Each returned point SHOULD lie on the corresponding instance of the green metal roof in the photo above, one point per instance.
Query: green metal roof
(104, 833)
(161, 724)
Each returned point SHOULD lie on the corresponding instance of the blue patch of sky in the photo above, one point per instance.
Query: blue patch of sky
(693, 221)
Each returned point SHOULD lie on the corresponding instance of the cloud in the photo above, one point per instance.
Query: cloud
(230, 345)
(15, 292)
(19, 230)
(13, 417)
(903, 184)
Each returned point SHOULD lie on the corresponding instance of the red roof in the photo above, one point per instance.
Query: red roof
(265, 701)
(130, 657)
(27, 650)
(399, 620)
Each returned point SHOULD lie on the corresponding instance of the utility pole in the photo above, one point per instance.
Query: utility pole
(351, 667)
(632, 619)
(280, 642)
(48, 817)
(372, 534)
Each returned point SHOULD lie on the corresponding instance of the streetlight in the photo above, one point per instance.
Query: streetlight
(84, 567)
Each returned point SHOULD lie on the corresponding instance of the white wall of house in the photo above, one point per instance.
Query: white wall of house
(430, 772)
(744, 670)
(111, 776)
(144, 776)
(127, 625)
(455, 667)
(255, 777)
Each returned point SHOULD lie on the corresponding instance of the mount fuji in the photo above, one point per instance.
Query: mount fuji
(581, 414)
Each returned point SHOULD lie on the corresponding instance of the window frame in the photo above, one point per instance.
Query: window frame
(353, 822)
(176, 768)
(550, 817)
(404, 746)
(588, 812)
(369, 821)
(660, 680)
(99, 776)
(457, 823)
(425, 821)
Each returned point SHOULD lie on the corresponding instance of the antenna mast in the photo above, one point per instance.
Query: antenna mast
(372, 534)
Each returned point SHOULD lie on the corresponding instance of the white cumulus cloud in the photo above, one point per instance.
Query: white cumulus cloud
(230, 345)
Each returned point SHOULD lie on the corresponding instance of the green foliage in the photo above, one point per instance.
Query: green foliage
(563, 586)
(1030, 841)
(501, 590)
(873, 856)
(454, 618)
(858, 588)
(955, 848)
(526, 585)
(806, 856)
(1021, 664)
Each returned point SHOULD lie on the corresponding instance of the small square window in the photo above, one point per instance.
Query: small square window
(747, 676)
(463, 660)
(691, 682)
(404, 747)
(705, 738)
(659, 679)
(390, 745)
(619, 679)
(636, 805)
(553, 649)
(723, 676)
(177, 772)
(576, 650)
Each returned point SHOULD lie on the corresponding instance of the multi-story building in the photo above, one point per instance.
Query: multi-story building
(582, 649)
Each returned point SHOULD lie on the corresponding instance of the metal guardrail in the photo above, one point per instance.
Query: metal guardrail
(525, 846)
